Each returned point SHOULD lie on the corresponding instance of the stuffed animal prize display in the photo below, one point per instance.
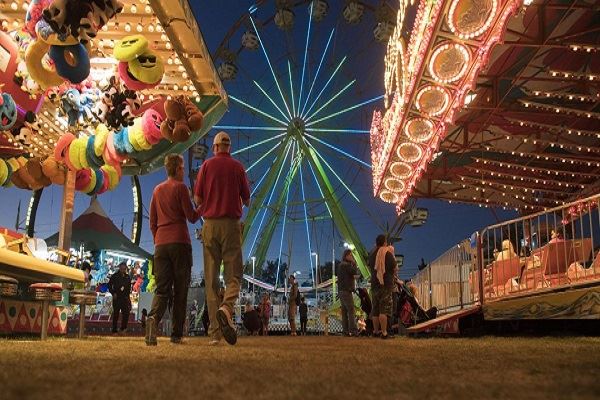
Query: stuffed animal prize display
(105, 125)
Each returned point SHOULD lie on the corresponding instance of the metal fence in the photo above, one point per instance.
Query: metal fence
(544, 251)
(549, 249)
(445, 283)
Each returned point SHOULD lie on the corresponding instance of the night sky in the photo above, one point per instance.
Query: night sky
(447, 224)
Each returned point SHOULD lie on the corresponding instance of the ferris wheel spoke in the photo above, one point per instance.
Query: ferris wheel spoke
(262, 220)
(262, 46)
(333, 171)
(263, 157)
(249, 128)
(345, 110)
(317, 73)
(337, 149)
(259, 183)
(257, 110)
(324, 87)
(325, 130)
(271, 100)
(330, 100)
(306, 223)
(292, 88)
(312, 170)
(258, 143)
(305, 57)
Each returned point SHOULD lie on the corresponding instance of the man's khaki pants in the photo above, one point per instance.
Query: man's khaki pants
(222, 239)
(292, 316)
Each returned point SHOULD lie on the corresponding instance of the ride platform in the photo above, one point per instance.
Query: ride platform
(447, 324)
(574, 301)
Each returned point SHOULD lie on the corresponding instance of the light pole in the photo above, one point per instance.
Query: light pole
(253, 261)
(316, 272)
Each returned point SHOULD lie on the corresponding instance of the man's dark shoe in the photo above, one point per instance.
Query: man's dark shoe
(151, 332)
(386, 336)
(226, 325)
(176, 340)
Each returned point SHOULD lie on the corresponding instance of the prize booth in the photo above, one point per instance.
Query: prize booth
(91, 91)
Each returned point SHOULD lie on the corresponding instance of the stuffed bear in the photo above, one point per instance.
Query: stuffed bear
(183, 117)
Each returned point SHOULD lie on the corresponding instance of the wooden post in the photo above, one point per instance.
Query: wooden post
(66, 214)
(81, 333)
(45, 314)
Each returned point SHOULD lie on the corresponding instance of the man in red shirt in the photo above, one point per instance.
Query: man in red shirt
(221, 188)
(170, 209)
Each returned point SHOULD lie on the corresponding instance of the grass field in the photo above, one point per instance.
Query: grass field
(302, 368)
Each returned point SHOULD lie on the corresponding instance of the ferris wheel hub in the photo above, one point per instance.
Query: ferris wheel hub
(296, 126)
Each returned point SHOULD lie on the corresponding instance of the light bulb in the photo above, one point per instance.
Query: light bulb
(133, 8)
(14, 5)
(127, 27)
(150, 28)
(139, 28)
(168, 45)
(163, 37)
(148, 9)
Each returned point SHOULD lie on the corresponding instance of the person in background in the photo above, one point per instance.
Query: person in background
(87, 273)
(119, 285)
(250, 319)
(220, 190)
(204, 317)
(265, 313)
(170, 209)
(293, 301)
(347, 273)
(382, 264)
(303, 309)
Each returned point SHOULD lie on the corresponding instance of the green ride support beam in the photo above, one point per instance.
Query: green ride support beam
(257, 202)
(341, 220)
(267, 234)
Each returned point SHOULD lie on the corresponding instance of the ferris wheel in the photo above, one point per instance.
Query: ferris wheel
(302, 115)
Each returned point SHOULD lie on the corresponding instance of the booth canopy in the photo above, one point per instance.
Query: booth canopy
(95, 231)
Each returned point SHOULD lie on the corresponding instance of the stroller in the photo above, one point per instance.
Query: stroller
(410, 312)
(366, 306)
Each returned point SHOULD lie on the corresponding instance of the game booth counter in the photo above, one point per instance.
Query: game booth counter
(96, 239)
(90, 91)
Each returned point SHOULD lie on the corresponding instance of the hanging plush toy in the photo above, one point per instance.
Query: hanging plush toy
(8, 112)
(139, 67)
(183, 117)
(77, 108)
(34, 14)
(117, 107)
(80, 19)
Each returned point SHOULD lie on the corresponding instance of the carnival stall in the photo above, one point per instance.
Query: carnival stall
(91, 91)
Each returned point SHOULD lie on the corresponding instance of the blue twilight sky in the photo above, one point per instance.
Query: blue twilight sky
(447, 224)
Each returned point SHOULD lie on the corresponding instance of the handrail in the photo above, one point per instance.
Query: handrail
(555, 248)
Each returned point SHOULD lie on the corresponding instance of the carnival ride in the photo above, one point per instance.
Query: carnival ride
(495, 103)
(303, 136)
